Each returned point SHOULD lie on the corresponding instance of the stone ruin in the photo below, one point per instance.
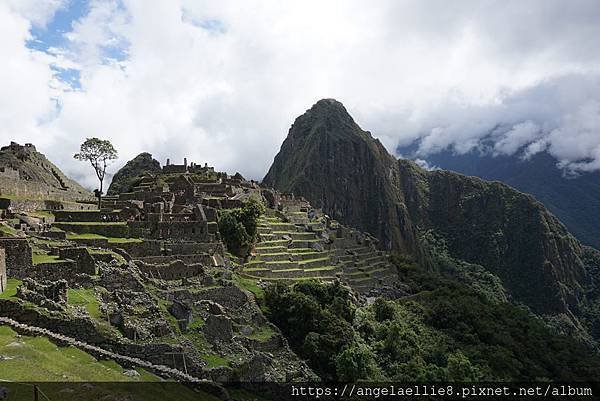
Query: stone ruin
(166, 232)
(51, 295)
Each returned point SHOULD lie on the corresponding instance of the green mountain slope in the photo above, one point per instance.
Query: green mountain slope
(337, 166)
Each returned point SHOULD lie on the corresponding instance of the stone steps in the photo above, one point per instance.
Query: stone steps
(326, 271)
(275, 257)
(319, 262)
(283, 227)
(303, 256)
(280, 242)
(294, 235)
(303, 243)
(270, 249)
(289, 280)
(263, 230)
(301, 250)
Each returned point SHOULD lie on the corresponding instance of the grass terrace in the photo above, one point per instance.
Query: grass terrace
(111, 240)
(85, 297)
(11, 288)
(37, 359)
(5, 229)
(41, 257)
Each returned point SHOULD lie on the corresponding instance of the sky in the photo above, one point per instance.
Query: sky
(222, 81)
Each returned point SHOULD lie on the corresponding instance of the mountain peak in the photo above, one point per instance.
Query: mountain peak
(329, 109)
(25, 172)
(328, 103)
(129, 174)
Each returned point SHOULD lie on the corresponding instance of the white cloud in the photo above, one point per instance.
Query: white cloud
(26, 93)
(221, 82)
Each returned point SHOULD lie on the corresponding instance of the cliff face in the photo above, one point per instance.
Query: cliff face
(25, 172)
(125, 178)
(508, 232)
(336, 165)
(574, 200)
(331, 161)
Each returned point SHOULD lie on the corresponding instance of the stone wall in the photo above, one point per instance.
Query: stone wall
(30, 205)
(175, 270)
(185, 230)
(139, 249)
(51, 295)
(82, 215)
(18, 256)
(188, 248)
(2, 271)
(187, 259)
(84, 261)
(119, 230)
(117, 278)
(230, 297)
(64, 269)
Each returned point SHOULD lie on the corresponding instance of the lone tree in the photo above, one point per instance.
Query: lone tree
(99, 153)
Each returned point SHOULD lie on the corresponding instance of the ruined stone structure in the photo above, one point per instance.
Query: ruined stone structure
(51, 295)
(19, 261)
(151, 267)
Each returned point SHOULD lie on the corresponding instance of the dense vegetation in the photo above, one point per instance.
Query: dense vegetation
(238, 226)
(590, 304)
(575, 200)
(443, 330)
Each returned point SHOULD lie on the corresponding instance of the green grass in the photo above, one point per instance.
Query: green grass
(39, 258)
(250, 285)
(115, 255)
(36, 359)
(214, 361)
(49, 242)
(73, 236)
(263, 334)
(85, 297)
(41, 213)
(112, 240)
(11, 288)
(303, 262)
(7, 230)
(314, 269)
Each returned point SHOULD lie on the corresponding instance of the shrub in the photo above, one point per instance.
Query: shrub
(238, 226)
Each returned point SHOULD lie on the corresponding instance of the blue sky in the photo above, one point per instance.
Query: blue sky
(221, 82)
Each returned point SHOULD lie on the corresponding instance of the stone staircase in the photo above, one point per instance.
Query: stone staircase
(286, 251)
(296, 249)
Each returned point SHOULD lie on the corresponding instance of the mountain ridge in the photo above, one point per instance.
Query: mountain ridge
(353, 178)
(574, 199)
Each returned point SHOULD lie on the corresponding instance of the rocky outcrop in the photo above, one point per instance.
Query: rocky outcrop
(332, 162)
(130, 173)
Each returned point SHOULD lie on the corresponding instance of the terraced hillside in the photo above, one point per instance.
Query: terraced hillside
(295, 246)
(27, 174)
